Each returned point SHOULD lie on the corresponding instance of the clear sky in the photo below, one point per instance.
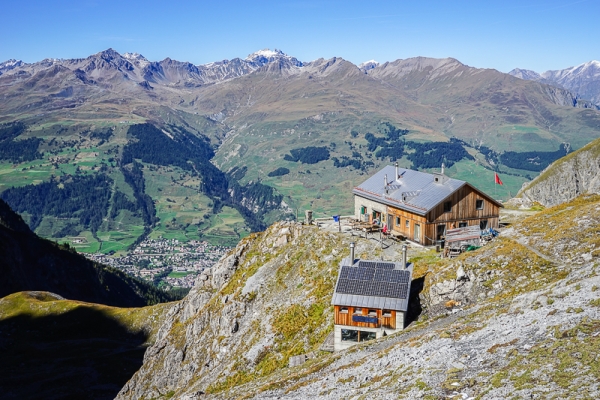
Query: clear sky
(532, 34)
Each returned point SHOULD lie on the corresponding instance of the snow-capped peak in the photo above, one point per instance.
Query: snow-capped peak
(265, 56)
(368, 65)
(266, 53)
(11, 63)
(134, 56)
(370, 62)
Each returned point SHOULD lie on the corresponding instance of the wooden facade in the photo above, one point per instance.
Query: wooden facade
(467, 206)
(386, 318)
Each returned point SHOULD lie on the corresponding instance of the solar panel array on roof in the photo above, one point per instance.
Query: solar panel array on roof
(376, 264)
(374, 281)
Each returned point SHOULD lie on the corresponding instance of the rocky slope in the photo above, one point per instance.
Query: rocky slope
(519, 317)
(575, 174)
(220, 336)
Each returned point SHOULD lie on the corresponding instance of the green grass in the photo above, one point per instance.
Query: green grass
(179, 274)
(483, 179)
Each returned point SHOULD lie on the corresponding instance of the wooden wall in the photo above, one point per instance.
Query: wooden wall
(464, 210)
(402, 229)
(346, 318)
(464, 207)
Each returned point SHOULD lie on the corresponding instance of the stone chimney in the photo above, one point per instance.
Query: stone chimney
(351, 253)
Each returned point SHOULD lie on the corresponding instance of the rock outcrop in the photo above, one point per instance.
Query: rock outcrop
(257, 307)
(573, 175)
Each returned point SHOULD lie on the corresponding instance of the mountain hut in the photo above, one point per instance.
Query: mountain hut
(420, 206)
(370, 299)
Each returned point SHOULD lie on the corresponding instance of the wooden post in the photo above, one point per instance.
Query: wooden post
(339, 223)
(381, 243)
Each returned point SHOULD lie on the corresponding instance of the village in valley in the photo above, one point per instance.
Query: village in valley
(168, 263)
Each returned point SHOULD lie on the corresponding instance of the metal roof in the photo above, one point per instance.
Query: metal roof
(373, 284)
(414, 191)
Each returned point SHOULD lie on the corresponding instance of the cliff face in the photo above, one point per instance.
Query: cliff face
(575, 174)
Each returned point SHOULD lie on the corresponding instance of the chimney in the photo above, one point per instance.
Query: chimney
(351, 253)
(404, 256)
(385, 184)
(397, 175)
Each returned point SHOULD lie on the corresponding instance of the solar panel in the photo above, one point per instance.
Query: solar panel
(373, 278)
(376, 264)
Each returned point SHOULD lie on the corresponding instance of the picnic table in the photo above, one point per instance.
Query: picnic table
(362, 226)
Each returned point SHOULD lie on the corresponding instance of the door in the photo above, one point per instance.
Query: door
(390, 222)
(441, 231)
(417, 233)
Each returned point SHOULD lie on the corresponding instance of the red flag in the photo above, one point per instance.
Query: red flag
(497, 179)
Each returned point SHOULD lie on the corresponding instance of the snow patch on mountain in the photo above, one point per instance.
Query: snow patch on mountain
(136, 58)
(10, 64)
(266, 56)
(367, 65)
(267, 53)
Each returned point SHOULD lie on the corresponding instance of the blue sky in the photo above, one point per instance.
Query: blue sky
(538, 34)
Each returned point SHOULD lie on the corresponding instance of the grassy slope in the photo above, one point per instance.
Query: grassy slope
(67, 349)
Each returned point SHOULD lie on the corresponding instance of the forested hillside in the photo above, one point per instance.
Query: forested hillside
(28, 262)
(110, 188)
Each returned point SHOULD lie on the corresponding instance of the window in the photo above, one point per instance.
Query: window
(462, 224)
(372, 313)
(397, 221)
(407, 224)
(363, 210)
(479, 204)
(351, 335)
(483, 224)
(358, 310)
(386, 314)
(344, 310)
(447, 206)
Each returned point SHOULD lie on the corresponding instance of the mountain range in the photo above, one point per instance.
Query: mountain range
(583, 79)
(281, 135)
